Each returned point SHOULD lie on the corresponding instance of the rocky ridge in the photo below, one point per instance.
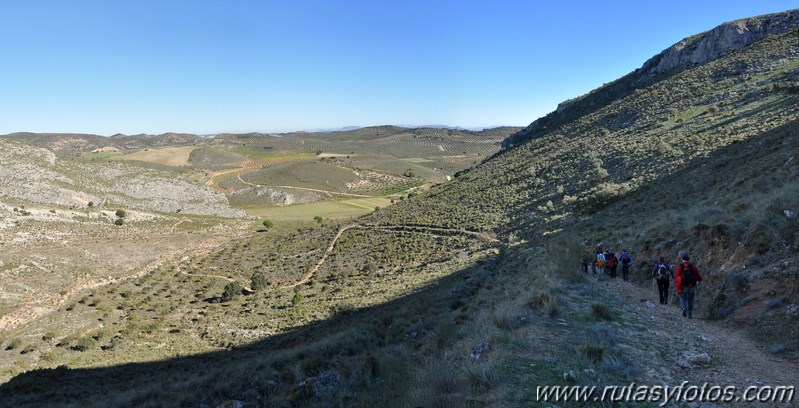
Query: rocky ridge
(35, 175)
(720, 41)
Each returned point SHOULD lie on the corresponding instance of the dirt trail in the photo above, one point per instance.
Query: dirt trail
(308, 275)
(735, 359)
(432, 230)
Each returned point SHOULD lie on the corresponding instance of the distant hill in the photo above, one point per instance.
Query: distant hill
(72, 144)
(36, 177)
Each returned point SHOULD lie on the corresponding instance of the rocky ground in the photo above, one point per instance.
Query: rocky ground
(37, 177)
(677, 349)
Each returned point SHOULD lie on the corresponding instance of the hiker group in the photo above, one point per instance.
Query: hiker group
(607, 263)
(685, 276)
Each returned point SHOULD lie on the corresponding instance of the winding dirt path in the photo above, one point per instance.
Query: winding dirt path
(432, 230)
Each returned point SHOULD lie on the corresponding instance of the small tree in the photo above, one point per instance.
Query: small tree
(318, 219)
(120, 213)
(268, 224)
(296, 299)
(232, 290)
(119, 221)
(258, 281)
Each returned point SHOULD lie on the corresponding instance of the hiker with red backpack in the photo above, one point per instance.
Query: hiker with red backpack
(626, 260)
(661, 273)
(685, 280)
(612, 263)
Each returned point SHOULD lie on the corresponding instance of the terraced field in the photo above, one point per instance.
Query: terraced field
(339, 208)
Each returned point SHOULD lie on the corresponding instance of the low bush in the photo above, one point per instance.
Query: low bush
(601, 311)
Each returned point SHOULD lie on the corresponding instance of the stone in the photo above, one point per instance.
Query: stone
(480, 349)
(569, 376)
(698, 359)
(790, 214)
(326, 383)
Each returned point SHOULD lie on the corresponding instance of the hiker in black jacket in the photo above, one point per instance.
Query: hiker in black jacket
(661, 273)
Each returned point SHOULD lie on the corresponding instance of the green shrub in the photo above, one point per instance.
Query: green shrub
(268, 224)
(601, 311)
(595, 353)
(540, 299)
(84, 344)
(258, 281)
(232, 290)
(119, 221)
(14, 343)
(120, 213)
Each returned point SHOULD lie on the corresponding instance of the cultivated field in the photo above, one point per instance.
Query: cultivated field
(166, 156)
(326, 209)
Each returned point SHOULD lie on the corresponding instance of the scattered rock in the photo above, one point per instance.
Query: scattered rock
(650, 305)
(792, 309)
(697, 359)
(790, 214)
(480, 349)
(326, 383)
(590, 372)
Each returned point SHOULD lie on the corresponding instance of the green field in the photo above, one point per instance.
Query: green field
(325, 209)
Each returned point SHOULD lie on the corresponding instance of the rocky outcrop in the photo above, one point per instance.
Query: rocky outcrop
(35, 175)
(275, 196)
(708, 46)
(695, 50)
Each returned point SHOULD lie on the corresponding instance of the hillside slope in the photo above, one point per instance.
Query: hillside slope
(75, 144)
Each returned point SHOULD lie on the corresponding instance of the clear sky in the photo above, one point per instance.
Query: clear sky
(210, 66)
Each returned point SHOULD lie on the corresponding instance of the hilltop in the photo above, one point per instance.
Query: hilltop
(470, 292)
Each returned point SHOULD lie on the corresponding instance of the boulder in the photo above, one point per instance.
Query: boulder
(326, 384)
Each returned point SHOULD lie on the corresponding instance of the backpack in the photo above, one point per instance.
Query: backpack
(625, 259)
(687, 275)
(662, 273)
(611, 261)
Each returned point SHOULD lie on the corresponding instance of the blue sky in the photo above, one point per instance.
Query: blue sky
(209, 66)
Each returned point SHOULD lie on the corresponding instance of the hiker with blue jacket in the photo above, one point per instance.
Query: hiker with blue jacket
(625, 260)
(661, 273)
(599, 261)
